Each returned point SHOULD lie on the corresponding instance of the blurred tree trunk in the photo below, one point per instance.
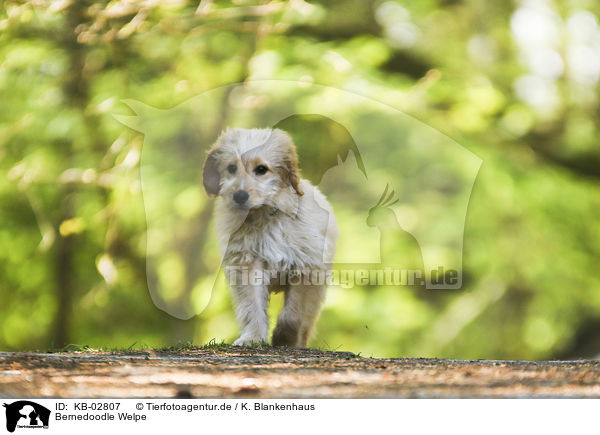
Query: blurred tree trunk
(75, 91)
(64, 280)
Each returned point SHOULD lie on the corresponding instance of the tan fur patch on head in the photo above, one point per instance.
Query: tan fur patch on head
(211, 177)
(288, 166)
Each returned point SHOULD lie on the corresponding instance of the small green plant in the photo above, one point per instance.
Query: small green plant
(212, 344)
(73, 347)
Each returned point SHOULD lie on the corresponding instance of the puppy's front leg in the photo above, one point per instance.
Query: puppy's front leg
(251, 309)
(300, 311)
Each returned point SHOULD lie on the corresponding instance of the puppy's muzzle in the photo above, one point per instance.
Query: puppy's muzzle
(240, 197)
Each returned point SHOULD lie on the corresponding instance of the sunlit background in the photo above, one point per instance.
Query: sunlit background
(515, 83)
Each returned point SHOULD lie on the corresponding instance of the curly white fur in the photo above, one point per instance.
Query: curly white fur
(285, 226)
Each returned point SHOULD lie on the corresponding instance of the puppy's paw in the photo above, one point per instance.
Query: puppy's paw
(286, 333)
(250, 341)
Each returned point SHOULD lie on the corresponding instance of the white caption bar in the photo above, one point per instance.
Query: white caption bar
(277, 416)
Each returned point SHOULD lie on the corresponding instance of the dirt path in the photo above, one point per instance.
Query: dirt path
(223, 371)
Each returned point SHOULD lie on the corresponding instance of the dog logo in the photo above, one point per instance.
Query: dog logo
(26, 414)
(348, 146)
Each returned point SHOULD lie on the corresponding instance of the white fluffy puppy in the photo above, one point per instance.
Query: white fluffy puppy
(276, 232)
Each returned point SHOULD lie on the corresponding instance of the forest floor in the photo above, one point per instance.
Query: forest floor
(268, 372)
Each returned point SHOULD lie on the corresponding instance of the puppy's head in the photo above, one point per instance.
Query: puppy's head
(252, 168)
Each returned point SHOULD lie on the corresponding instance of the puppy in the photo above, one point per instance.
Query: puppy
(275, 230)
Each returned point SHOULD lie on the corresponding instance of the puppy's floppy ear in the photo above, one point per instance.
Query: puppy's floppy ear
(210, 174)
(289, 169)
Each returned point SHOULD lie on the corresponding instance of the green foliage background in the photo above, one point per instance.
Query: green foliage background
(511, 82)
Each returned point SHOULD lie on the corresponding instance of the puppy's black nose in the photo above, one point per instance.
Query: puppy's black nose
(240, 196)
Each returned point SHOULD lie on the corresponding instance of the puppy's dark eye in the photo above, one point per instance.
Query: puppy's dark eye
(261, 170)
(231, 169)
